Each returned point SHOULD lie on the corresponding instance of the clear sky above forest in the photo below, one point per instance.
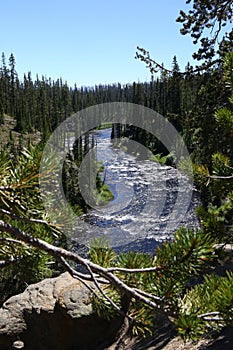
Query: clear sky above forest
(92, 42)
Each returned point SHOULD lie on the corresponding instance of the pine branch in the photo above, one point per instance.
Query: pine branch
(60, 252)
(148, 295)
(115, 306)
(142, 270)
(216, 177)
(10, 240)
(11, 261)
(214, 313)
(79, 276)
(154, 66)
(76, 274)
(23, 218)
(211, 317)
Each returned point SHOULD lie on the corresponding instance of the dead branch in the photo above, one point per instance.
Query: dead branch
(11, 261)
(60, 252)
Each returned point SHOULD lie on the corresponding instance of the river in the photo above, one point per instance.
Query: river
(145, 194)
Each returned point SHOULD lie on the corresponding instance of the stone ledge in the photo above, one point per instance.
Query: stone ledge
(55, 314)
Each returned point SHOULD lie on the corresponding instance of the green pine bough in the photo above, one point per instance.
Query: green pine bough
(170, 280)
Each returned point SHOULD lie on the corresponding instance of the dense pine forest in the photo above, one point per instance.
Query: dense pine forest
(43, 104)
(188, 100)
(38, 107)
(181, 283)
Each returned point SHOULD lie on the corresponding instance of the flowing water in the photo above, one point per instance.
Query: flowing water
(150, 201)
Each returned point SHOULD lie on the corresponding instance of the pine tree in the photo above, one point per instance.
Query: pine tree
(173, 95)
(13, 76)
(207, 17)
(5, 85)
(216, 175)
(1, 113)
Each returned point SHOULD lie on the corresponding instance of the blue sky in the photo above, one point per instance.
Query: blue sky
(92, 42)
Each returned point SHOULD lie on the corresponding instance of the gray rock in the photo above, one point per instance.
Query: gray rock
(55, 314)
(18, 345)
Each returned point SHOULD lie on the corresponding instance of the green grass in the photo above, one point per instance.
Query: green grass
(105, 193)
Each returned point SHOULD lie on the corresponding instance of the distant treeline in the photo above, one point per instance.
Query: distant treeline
(187, 100)
(42, 104)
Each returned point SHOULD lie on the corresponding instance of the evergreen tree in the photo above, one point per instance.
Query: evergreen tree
(5, 84)
(13, 76)
(174, 98)
(1, 113)
(207, 17)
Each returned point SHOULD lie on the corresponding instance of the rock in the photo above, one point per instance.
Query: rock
(18, 345)
(55, 314)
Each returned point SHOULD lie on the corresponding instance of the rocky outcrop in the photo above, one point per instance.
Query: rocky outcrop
(55, 314)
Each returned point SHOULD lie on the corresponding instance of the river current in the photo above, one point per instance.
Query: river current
(144, 211)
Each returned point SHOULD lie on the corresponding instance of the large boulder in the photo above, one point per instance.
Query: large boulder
(55, 314)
